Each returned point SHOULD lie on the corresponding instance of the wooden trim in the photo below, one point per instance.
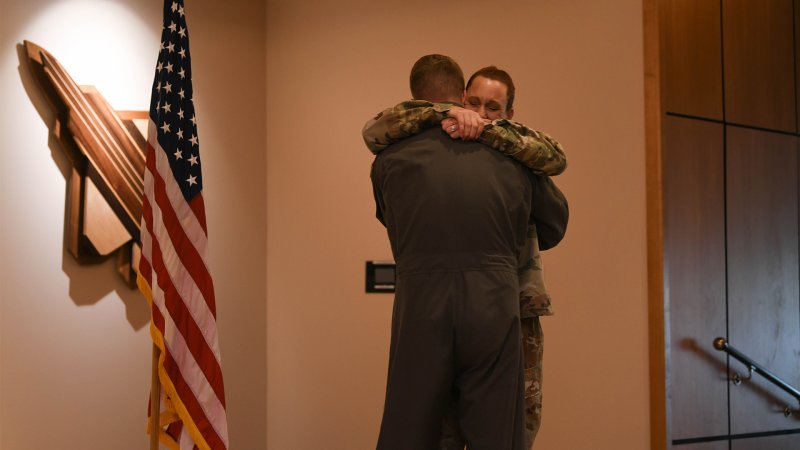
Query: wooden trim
(72, 224)
(116, 163)
(130, 115)
(655, 228)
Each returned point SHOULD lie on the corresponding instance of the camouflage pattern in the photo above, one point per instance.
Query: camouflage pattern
(534, 301)
(534, 149)
(533, 349)
(406, 119)
(544, 156)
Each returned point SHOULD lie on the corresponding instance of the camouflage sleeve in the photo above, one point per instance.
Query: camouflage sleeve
(401, 121)
(534, 149)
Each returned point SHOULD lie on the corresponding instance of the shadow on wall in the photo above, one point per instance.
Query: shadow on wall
(95, 276)
(90, 282)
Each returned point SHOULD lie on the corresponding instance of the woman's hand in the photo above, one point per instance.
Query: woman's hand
(463, 124)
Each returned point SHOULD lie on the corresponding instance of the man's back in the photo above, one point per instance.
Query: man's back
(451, 204)
(456, 214)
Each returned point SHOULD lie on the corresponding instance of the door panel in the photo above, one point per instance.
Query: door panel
(694, 247)
(693, 58)
(797, 56)
(758, 48)
(787, 442)
(730, 191)
(762, 244)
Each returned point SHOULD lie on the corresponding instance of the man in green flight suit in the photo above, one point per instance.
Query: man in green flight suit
(490, 94)
(545, 156)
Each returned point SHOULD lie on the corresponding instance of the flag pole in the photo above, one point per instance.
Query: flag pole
(155, 397)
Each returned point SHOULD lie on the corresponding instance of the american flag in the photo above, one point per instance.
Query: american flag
(173, 270)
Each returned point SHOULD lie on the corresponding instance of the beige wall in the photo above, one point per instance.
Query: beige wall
(579, 70)
(74, 344)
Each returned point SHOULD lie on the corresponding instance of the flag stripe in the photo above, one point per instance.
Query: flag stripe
(187, 233)
(171, 301)
(189, 341)
(198, 383)
(178, 384)
(191, 222)
(199, 208)
(204, 424)
(191, 217)
(186, 439)
(194, 295)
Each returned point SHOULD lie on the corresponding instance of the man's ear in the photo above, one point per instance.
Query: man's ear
(510, 114)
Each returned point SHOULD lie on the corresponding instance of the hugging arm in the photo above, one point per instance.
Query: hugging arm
(533, 149)
(536, 150)
(406, 119)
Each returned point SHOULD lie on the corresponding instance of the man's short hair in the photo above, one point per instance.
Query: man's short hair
(437, 78)
(493, 73)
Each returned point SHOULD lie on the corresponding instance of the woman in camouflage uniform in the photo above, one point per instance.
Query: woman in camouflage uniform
(490, 93)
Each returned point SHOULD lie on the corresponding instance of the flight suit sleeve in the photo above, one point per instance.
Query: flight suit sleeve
(549, 211)
(376, 191)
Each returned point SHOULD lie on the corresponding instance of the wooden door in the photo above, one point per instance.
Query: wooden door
(730, 194)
